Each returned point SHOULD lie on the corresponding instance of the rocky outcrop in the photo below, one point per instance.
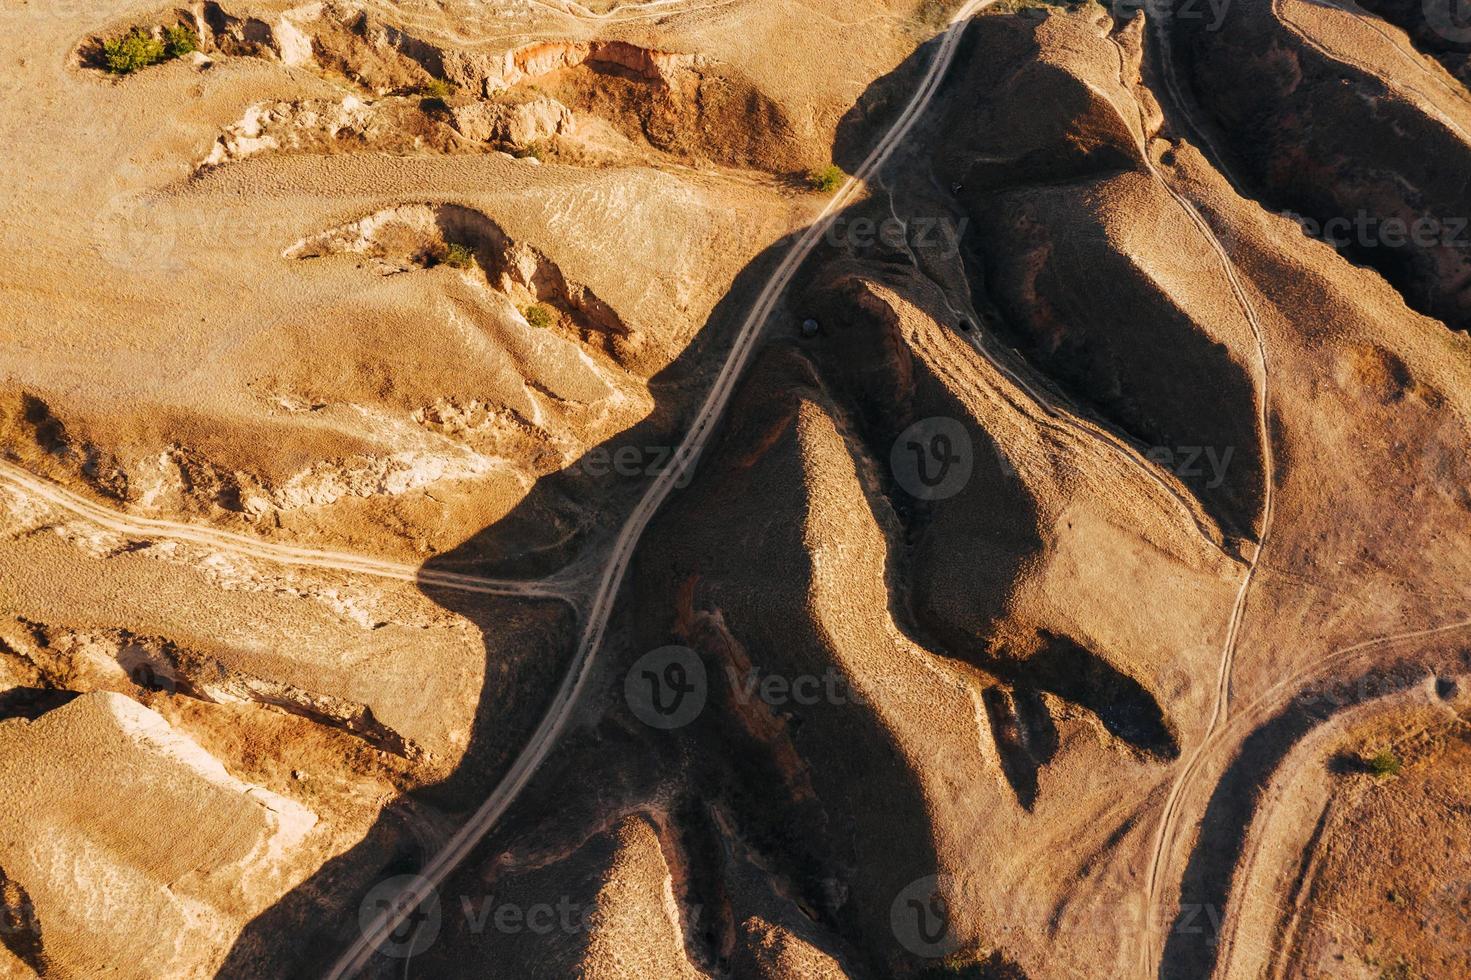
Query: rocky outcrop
(535, 60)
(228, 34)
(307, 124)
(142, 824)
(57, 659)
(30, 427)
(404, 235)
(517, 123)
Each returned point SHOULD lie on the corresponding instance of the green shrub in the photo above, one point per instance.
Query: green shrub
(179, 41)
(434, 95)
(1385, 763)
(454, 255)
(538, 315)
(140, 48)
(827, 179)
(458, 256)
(1017, 6)
(134, 50)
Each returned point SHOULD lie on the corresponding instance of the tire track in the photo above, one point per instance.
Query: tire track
(356, 957)
(1150, 949)
(245, 546)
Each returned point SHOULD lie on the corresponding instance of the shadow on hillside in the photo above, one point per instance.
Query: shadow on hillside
(1192, 946)
(726, 770)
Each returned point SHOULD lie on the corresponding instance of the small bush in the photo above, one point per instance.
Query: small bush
(454, 255)
(537, 151)
(179, 41)
(458, 256)
(1385, 763)
(827, 179)
(1017, 6)
(538, 315)
(434, 95)
(134, 50)
(140, 48)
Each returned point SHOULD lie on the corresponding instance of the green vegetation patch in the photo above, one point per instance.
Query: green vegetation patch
(458, 256)
(539, 315)
(141, 47)
(179, 41)
(1385, 763)
(434, 95)
(453, 254)
(827, 179)
(1017, 6)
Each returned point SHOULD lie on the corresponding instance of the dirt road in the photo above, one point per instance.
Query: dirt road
(695, 441)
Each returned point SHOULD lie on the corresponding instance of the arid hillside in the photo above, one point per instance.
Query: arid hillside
(735, 489)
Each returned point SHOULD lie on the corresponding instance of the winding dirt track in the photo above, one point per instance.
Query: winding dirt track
(240, 544)
(468, 836)
(1221, 704)
(1151, 948)
(1273, 699)
(1222, 728)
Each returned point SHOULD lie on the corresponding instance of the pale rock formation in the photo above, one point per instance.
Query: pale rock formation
(519, 123)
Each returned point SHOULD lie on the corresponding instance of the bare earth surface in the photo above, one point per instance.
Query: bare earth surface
(478, 500)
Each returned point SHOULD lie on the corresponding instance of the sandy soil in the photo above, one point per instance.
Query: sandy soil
(1085, 522)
